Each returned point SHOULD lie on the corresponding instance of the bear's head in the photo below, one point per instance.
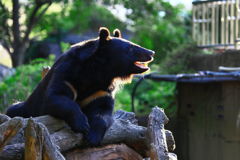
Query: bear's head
(122, 57)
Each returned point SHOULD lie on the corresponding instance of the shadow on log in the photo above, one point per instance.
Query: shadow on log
(48, 138)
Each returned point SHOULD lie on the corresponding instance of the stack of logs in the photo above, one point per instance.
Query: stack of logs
(47, 138)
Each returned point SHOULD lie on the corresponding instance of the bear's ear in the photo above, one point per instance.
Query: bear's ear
(117, 33)
(104, 34)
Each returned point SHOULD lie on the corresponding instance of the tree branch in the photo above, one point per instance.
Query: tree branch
(33, 18)
(43, 11)
(6, 46)
(7, 43)
(31, 21)
(16, 25)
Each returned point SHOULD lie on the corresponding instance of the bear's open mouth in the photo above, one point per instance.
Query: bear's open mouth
(143, 65)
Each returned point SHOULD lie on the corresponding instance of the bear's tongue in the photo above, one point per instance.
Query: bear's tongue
(141, 65)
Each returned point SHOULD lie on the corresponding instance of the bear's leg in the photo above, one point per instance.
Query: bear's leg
(17, 109)
(66, 109)
(99, 114)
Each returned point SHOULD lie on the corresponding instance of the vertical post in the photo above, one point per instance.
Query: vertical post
(203, 24)
(217, 22)
(213, 23)
(193, 23)
(227, 23)
(207, 23)
(236, 23)
(198, 15)
(232, 22)
(222, 22)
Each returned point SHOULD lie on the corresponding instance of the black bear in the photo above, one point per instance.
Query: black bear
(79, 88)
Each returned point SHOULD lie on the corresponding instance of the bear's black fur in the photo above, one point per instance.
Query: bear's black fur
(88, 74)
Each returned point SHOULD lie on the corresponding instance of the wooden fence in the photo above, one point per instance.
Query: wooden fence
(216, 23)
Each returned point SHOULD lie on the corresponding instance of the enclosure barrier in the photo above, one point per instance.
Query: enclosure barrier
(216, 23)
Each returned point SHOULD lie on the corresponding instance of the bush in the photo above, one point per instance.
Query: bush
(20, 85)
(148, 95)
(178, 61)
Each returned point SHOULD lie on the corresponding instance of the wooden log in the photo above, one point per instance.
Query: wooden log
(52, 124)
(9, 129)
(170, 141)
(123, 130)
(33, 142)
(4, 118)
(157, 136)
(128, 116)
(38, 144)
(66, 139)
(13, 152)
(50, 150)
(109, 152)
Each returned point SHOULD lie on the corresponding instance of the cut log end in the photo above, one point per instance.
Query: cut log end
(157, 135)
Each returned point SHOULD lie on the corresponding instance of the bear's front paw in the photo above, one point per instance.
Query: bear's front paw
(93, 138)
(83, 128)
(80, 126)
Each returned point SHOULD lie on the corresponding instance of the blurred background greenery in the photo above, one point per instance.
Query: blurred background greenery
(154, 24)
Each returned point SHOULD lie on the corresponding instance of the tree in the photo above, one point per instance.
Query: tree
(156, 24)
(15, 28)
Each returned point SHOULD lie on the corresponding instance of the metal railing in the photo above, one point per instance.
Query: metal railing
(216, 23)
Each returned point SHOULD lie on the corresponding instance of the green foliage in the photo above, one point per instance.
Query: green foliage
(20, 85)
(123, 98)
(160, 34)
(158, 94)
(178, 60)
(148, 95)
(77, 17)
(64, 46)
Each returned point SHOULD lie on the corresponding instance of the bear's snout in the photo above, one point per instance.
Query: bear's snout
(145, 55)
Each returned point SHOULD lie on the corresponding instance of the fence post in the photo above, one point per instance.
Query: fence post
(236, 24)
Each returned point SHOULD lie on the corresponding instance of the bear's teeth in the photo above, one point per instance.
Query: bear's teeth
(141, 65)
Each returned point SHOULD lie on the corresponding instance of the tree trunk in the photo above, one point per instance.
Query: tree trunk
(18, 55)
